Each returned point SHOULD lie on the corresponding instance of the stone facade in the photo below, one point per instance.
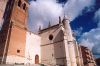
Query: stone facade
(50, 45)
(33, 42)
(58, 46)
(87, 56)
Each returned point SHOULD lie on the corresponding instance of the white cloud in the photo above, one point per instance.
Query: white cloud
(78, 31)
(74, 8)
(91, 39)
(97, 17)
(43, 11)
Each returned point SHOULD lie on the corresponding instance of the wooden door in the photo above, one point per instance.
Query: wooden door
(36, 59)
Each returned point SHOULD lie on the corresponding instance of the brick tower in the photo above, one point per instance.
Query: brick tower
(13, 32)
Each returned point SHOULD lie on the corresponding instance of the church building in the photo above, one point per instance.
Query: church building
(52, 46)
(58, 46)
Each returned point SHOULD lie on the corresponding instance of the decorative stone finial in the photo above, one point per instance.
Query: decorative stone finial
(49, 25)
(64, 19)
(39, 28)
(60, 20)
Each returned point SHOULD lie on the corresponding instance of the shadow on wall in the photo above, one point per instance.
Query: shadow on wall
(59, 49)
(5, 31)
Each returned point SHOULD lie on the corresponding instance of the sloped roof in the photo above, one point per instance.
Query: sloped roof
(45, 29)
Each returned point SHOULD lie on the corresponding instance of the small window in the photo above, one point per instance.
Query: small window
(18, 51)
(19, 3)
(50, 37)
(24, 6)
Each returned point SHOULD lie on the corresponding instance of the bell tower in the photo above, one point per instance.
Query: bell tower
(13, 32)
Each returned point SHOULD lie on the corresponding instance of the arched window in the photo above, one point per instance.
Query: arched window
(36, 59)
(19, 3)
(24, 6)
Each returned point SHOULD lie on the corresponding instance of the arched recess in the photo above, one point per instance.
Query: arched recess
(19, 3)
(24, 6)
(36, 59)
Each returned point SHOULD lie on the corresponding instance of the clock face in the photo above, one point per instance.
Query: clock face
(50, 37)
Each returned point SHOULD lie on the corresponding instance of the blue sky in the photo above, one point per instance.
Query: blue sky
(87, 22)
(84, 16)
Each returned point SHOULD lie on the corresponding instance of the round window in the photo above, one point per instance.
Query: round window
(50, 37)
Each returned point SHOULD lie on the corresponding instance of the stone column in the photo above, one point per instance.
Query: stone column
(70, 49)
(72, 53)
(68, 61)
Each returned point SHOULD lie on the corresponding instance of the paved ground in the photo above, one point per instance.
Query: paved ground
(18, 65)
